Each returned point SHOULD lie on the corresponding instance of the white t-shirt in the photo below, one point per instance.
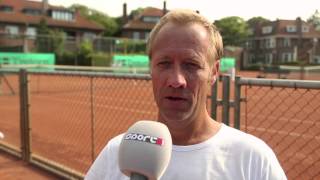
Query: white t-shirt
(228, 155)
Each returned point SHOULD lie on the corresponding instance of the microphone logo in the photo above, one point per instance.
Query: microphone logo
(144, 138)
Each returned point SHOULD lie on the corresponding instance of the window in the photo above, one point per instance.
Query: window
(89, 35)
(31, 32)
(250, 44)
(286, 42)
(270, 43)
(5, 8)
(62, 15)
(266, 30)
(268, 58)
(136, 35)
(146, 35)
(273, 43)
(305, 28)
(316, 59)
(291, 29)
(34, 12)
(262, 43)
(252, 59)
(151, 19)
(12, 30)
(287, 57)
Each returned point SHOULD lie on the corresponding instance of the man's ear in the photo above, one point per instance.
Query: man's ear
(215, 71)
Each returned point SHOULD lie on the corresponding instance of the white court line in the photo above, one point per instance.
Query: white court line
(1, 135)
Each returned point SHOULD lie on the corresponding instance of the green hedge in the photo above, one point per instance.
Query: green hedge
(101, 59)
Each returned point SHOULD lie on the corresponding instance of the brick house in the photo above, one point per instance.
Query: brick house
(21, 17)
(282, 42)
(140, 26)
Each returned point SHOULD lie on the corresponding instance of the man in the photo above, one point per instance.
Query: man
(185, 49)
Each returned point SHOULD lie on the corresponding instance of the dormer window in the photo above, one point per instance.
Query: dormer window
(30, 11)
(266, 30)
(5, 8)
(305, 29)
(150, 19)
(62, 15)
(291, 29)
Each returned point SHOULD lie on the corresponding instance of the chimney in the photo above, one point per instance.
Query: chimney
(45, 6)
(299, 30)
(124, 17)
(164, 7)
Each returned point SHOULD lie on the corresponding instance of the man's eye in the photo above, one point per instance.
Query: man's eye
(164, 63)
(193, 65)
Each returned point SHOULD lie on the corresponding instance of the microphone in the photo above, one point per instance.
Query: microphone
(145, 150)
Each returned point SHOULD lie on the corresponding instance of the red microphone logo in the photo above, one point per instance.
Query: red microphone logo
(144, 138)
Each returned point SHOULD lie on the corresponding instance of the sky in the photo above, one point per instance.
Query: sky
(213, 10)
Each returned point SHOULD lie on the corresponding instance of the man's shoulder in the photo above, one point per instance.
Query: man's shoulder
(244, 140)
(115, 141)
(104, 165)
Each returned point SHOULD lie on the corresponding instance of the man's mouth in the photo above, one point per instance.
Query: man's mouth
(173, 98)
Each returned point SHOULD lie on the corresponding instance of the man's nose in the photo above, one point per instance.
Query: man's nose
(177, 79)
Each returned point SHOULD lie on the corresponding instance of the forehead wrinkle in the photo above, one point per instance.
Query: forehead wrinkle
(183, 53)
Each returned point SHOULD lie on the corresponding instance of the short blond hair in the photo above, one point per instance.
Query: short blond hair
(185, 17)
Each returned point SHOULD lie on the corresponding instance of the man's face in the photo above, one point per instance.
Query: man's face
(180, 72)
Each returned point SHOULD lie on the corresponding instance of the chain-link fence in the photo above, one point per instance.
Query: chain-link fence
(286, 115)
(10, 110)
(89, 51)
(68, 117)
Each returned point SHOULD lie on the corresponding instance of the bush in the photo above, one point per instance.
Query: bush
(101, 59)
(66, 58)
(295, 63)
(255, 67)
(131, 47)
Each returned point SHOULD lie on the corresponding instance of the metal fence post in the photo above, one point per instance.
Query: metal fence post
(214, 92)
(237, 102)
(25, 130)
(1, 81)
(225, 99)
(92, 120)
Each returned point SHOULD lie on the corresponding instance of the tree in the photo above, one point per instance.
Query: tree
(83, 10)
(42, 43)
(119, 21)
(110, 24)
(48, 40)
(136, 12)
(234, 30)
(315, 18)
(57, 40)
(257, 20)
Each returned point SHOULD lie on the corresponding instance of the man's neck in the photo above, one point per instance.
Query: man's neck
(199, 131)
